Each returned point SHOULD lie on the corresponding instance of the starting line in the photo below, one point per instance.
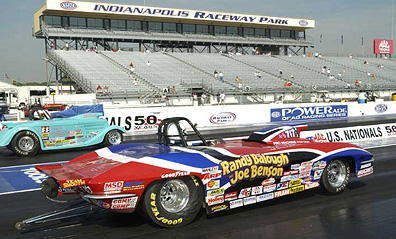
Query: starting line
(24, 178)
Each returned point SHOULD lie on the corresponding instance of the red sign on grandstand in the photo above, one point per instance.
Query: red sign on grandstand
(383, 46)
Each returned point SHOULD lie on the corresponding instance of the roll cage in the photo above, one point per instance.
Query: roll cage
(164, 138)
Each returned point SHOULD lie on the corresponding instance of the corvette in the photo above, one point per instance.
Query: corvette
(171, 181)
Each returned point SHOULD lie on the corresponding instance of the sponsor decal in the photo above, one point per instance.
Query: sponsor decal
(213, 169)
(292, 172)
(305, 168)
(45, 129)
(219, 208)
(211, 176)
(257, 190)
(320, 138)
(215, 200)
(230, 196)
(319, 165)
(304, 174)
(265, 197)
(215, 192)
(281, 193)
(285, 178)
(381, 108)
(317, 174)
(68, 5)
(236, 203)
(245, 192)
(311, 185)
(73, 183)
(363, 166)
(45, 136)
(124, 203)
(307, 180)
(253, 166)
(294, 183)
(297, 189)
(103, 204)
(294, 166)
(269, 188)
(222, 118)
(365, 172)
(268, 181)
(175, 174)
(307, 163)
(213, 184)
(129, 186)
(249, 200)
(308, 113)
(113, 186)
(303, 23)
(281, 186)
(136, 123)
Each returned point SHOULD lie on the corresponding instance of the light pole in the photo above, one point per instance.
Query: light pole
(46, 75)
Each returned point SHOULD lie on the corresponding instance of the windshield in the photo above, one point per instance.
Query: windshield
(2, 96)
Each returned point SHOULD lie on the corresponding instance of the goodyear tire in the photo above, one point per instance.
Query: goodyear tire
(173, 202)
(113, 137)
(25, 143)
(335, 176)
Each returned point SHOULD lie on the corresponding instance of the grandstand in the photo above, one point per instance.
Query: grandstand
(95, 43)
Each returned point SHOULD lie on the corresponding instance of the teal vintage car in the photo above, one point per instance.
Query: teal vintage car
(29, 138)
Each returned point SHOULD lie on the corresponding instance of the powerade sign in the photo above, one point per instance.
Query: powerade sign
(309, 113)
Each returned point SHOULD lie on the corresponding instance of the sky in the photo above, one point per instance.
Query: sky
(21, 56)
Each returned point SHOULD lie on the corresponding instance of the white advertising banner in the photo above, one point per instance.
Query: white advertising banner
(146, 120)
(135, 10)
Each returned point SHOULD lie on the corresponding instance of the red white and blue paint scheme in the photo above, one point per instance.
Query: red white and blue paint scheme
(172, 180)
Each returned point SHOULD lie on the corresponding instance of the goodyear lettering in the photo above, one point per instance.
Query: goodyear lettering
(73, 183)
(254, 166)
(157, 215)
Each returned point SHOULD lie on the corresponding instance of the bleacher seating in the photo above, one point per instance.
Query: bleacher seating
(186, 70)
(98, 71)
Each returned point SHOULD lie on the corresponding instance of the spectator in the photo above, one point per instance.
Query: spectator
(347, 86)
(163, 98)
(257, 74)
(343, 70)
(106, 90)
(131, 67)
(288, 83)
(222, 98)
(135, 82)
(203, 99)
(331, 77)
(67, 47)
(195, 97)
(148, 64)
(237, 79)
(324, 69)
(98, 88)
(240, 85)
(366, 62)
(292, 77)
(52, 46)
(218, 97)
(173, 90)
(280, 72)
(328, 72)
(167, 101)
(168, 89)
(221, 76)
(215, 73)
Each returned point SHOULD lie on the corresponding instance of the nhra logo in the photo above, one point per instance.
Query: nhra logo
(303, 23)
(68, 5)
(384, 46)
(381, 108)
(222, 118)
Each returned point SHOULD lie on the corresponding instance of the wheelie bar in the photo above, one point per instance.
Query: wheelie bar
(74, 210)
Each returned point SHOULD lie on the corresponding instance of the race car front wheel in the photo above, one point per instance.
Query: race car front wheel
(113, 137)
(25, 143)
(335, 176)
(173, 202)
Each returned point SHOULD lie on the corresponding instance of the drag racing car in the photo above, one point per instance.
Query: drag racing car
(28, 138)
(171, 181)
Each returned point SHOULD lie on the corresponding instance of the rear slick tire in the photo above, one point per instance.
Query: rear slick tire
(173, 202)
(335, 176)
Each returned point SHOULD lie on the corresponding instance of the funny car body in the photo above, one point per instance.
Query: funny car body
(171, 181)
